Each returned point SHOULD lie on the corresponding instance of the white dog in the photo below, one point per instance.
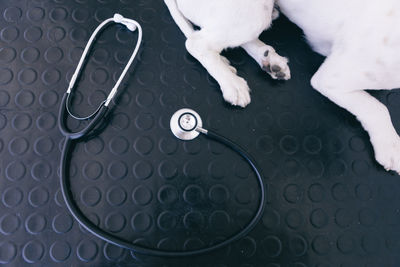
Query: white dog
(360, 38)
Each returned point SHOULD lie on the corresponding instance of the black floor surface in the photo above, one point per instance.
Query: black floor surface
(329, 202)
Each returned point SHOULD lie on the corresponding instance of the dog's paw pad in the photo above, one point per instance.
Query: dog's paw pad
(276, 68)
(275, 65)
(281, 75)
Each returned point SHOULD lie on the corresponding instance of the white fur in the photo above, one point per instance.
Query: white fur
(360, 38)
(226, 23)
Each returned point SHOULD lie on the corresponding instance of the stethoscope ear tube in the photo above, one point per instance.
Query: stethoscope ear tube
(132, 25)
(246, 156)
(102, 234)
(63, 115)
(186, 125)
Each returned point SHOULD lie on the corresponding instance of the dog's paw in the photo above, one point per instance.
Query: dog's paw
(236, 91)
(387, 153)
(275, 65)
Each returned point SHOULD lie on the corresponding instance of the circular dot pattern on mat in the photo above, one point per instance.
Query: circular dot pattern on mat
(87, 250)
(346, 243)
(117, 170)
(43, 146)
(271, 219)
(7, 54)
(12, 14)
(142, 195)
(18, 146)
(4, 99)
(294, 219)
(116, 196)
(15, 170)
(319, 218)
(35, 14)
(115, 222)
(247, 247)
(120, 121)
(60, 251)
(56, 34)
(58, 14)
(9, 223)
(193, 194)
(92, 170)
(167, 243)
(48, 98)
(219, 219)
(91, 196)
(298, 246)
(33, 251)
(166, 221)
(38, 196)
(113, 253)
(143, 145)
(24, 98)
(8, 252)
(321, 245)
(329, 203)
(21, 122)
(271, 246)
(12, 197)
(141, 221)
(167, 195)
(46, 121)
(35, 223)
(9, 34)
(94, 146)
(33, 34)
(62, 223)
(168, 145)
(193, 220)
(142, 170)
(119, 145)
(6, 75)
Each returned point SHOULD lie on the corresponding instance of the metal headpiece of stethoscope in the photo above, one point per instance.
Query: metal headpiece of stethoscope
(132, 25)
(185, 124)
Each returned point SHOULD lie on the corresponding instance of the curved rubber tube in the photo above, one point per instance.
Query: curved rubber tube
(62, 116)
(102, 234)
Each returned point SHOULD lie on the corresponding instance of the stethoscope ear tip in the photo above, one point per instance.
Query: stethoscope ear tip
(118, 18)
(185, 123)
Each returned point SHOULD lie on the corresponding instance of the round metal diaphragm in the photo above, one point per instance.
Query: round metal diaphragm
(184, 123)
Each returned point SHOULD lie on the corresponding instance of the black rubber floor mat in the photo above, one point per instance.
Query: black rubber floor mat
(329, 202)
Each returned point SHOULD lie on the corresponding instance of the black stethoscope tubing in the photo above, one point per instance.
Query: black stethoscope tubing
(73, 137)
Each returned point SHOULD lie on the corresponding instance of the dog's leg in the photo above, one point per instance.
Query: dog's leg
(234, 88)
(266, 56)
(185, 26)
(336, 80)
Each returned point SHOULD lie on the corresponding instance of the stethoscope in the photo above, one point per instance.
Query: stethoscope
(185, 124)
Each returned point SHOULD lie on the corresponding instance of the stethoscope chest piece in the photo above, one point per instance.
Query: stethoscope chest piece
(184, 124)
